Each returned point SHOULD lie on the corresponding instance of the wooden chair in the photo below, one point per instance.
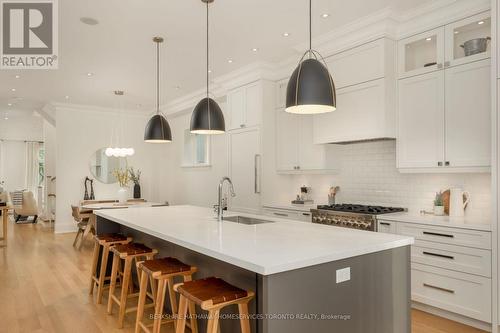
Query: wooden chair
(82, 220)
(163, 271)
(128, 252)
(98, 274)
(212, 295)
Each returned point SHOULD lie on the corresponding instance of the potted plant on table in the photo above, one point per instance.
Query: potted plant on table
(135, 176)
(439, 204)
(122, 176)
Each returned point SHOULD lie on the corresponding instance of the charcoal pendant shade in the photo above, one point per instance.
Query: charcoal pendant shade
(311, 89)
(157, 129)
(207, 117)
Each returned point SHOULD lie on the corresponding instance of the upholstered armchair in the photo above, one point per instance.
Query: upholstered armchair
(5, 197)
(29, 207)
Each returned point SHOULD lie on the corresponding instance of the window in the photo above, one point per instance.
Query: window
(196, 150)
(41, 165)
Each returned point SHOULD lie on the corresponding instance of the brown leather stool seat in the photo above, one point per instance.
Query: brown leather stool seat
(212, 294)
(103, 243)
(163, 271)
(128, 252)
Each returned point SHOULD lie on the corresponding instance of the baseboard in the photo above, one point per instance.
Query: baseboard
(452, 316)
(64, 228)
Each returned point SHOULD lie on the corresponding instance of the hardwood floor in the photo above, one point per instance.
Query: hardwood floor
(44, 288)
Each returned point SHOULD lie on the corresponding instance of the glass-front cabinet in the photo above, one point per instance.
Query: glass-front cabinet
(457, 43)
(421, 53)
(468, 40)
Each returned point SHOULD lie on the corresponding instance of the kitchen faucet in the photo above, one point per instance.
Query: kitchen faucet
(219, 208)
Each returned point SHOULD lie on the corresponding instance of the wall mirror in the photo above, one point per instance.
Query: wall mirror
(102, 166)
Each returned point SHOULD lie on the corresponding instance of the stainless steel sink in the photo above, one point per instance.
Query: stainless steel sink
(245, 220)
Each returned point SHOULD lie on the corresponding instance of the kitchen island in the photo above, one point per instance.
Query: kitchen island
(307, 278)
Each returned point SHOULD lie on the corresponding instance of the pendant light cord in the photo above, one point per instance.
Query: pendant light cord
(310, 25)
(207, 54)
(157, 77)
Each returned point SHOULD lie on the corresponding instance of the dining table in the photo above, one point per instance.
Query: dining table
(5, 220)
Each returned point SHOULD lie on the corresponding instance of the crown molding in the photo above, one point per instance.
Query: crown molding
(65, 107)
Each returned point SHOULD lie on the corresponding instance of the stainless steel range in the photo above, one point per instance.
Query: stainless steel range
(351, 216)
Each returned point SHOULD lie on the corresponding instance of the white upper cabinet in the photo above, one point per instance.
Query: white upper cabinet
(468, 116)
(421, 53)
(420, 140)
(360, 64)
(245, 106)
(281, 93)
(295, 150)
(468, 40)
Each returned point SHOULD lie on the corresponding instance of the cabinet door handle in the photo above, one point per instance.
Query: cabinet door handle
(447, 163)
(385, 223)
(280, 214)
(439, 288)
(438, 255)
(242, 125)
(256, 171)
(440, 163)
(437, 234)
(306, 214)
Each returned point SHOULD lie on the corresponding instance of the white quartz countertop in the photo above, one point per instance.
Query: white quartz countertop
(442, 221)
(264, 248)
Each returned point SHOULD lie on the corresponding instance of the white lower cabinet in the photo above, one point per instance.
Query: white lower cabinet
(450, 267)
(302, 216)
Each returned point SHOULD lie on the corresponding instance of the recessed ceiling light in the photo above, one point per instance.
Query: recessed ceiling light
(480, 22)
(9, 104)
(325, 15)
(67, 97)
(428, 39)
(456, 32)
(209, 71)
(6, 118)
(255, 49)
(89, 74)
(17, 76)
(89, 21)
(13, 89)
(230, 61)
(286, 34)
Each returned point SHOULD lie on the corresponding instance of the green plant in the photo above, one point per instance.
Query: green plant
(122, 175)
(135, 176)
(439, 199)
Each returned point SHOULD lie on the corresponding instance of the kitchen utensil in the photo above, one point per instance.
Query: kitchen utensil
(475, 46)
(459, 200)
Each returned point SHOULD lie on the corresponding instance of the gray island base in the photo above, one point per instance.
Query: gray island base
(376, 298)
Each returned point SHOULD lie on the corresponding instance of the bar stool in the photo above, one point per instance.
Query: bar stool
(128, 252)
(212, 294)
(103, 242)
(164, 271)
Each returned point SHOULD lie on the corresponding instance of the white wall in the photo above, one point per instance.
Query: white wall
(80, 132)
(27, 127)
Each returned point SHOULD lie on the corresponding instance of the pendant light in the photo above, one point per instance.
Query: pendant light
(207, 117)
(115, 150)
(157, 128)
(311, 89)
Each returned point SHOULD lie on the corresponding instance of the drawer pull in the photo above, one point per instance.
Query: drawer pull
(280, 214)
(385, 223)
(439, 288)
(438, 255)
(306, 214)
(437, 234)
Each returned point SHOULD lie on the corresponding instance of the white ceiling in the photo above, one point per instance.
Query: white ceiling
(121, 55)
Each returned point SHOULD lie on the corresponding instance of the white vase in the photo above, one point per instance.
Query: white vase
(122, 195)
(439, 210)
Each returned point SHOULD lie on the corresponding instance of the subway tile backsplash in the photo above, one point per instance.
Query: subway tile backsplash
(368, 175)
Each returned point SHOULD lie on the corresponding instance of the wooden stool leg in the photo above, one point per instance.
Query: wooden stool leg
(127, 271)
(142, 300)
(160, 301)
(95, 258)
(192, 309)
(181, 317)
(102, 273)
(112, 286)
(213, 321)
(244, 320)
(173, 299)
